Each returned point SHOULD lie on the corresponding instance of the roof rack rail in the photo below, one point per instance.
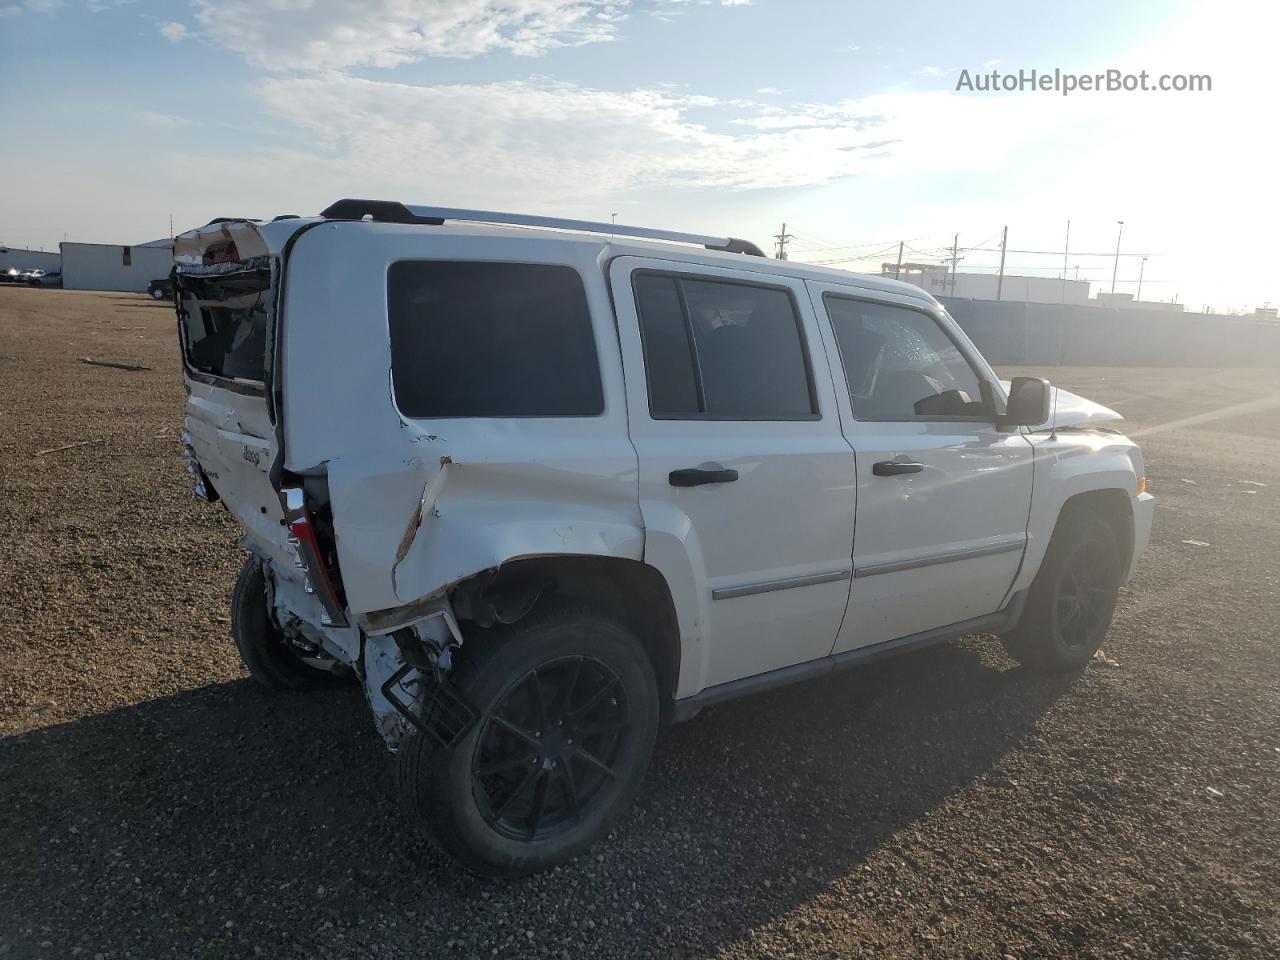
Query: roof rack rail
(390, 211)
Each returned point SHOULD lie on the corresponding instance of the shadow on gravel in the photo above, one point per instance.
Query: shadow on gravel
(225, 818)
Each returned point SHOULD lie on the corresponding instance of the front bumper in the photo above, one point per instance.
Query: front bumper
(1143, 510)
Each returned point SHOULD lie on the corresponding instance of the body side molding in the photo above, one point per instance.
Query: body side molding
(767, 586)
(986, 550)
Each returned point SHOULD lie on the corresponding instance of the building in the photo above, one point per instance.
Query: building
(108, 266)
(1125, 301)
(29, 259)
(937, 279)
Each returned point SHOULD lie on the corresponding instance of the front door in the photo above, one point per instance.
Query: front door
(746, 480)
(943, 494)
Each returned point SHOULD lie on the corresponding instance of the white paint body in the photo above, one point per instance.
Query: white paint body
(421, 505)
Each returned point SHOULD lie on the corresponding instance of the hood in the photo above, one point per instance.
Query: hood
(1071, 410)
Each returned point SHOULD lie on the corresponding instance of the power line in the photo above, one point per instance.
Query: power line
(1058, 253)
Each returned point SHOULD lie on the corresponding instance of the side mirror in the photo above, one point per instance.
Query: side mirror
(1028, 404)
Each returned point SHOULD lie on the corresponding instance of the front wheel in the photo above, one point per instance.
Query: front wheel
(567, 709)
(1072, 599)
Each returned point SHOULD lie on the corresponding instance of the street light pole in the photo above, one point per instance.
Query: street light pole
(1116, 268)
(1142, 267)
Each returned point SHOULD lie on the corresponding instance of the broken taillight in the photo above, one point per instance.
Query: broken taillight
(203, 488)
(311, 556)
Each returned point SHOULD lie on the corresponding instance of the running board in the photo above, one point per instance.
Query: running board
(998, 622)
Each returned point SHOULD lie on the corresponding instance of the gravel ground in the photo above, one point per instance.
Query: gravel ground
(155, 803)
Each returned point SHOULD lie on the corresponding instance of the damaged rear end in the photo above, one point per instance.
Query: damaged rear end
(227, 285)
(254, 397)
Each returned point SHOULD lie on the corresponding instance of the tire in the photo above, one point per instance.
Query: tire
(506, 804)
(1072, 598)
(265, 652)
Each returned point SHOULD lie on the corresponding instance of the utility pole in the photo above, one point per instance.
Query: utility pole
(615, 217)
(1004, 241)
(171, 233)
(1142, 267)
(1116, 268)
(783, 238)
(1066, 252)
(955, 261)
(897, 270)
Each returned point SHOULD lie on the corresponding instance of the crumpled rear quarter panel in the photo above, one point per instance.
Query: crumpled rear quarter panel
(419, 504)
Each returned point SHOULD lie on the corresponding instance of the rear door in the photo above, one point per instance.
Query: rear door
(744, 473)
(943, 494)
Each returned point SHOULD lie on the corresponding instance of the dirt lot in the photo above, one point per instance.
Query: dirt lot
(155, 803)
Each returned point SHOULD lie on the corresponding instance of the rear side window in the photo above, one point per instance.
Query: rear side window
(721, 350)
(476, 339)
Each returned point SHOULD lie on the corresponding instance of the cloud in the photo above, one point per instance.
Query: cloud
(510, 141)
(173, 32)
(321, 35)
(931, 72)
(31, 6)
(162, 121)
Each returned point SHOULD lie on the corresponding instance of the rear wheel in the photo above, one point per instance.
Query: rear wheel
(266, 652)
(1072, 599)
(567, 710)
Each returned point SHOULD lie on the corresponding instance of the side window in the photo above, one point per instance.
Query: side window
(900, 364)
(722, 350)
(478, 339)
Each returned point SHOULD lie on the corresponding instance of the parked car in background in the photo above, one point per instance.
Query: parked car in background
(539, 490)
(46, 278)
(11, 275)
(161, 289)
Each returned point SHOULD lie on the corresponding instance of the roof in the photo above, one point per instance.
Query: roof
(619, 239)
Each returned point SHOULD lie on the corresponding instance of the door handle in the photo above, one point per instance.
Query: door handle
(696, 476)
(893, 468)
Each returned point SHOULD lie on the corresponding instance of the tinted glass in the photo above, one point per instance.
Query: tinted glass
(668, 358)
(900, 365)
(473, 339)
(722, 350)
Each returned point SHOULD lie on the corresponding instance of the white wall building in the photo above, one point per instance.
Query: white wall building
(108, 266)
(28, 259)
(937, 279)
(1125, 301)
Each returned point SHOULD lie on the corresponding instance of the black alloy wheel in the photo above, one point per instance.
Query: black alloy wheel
(548, 748)
(567, 709)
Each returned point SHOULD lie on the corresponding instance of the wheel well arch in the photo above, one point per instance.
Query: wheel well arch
(1114, 506)
(633, 592)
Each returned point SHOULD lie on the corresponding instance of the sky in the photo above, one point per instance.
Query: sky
(841, 119)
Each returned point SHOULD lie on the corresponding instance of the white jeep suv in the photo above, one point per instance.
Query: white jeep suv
(540, 485)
